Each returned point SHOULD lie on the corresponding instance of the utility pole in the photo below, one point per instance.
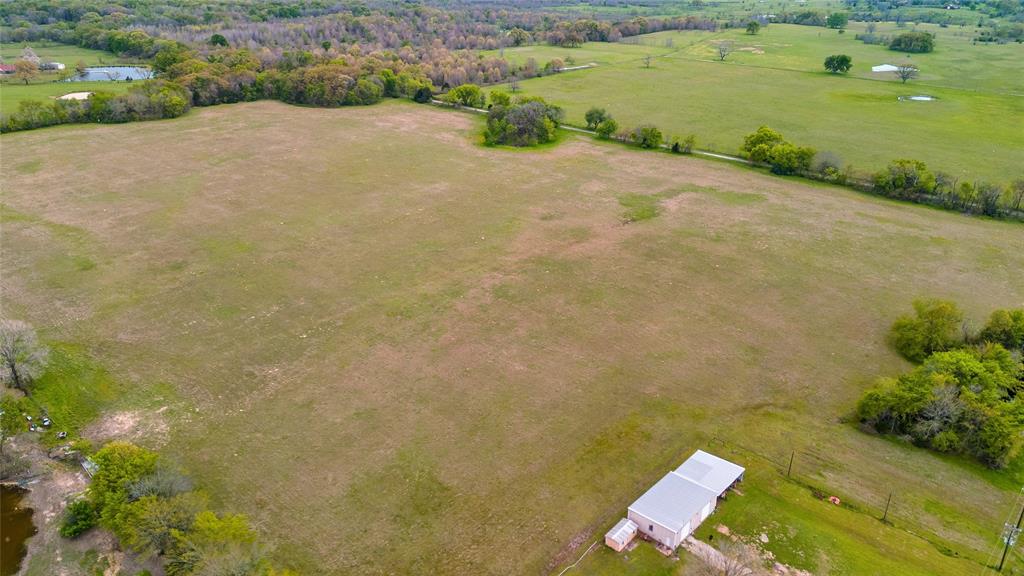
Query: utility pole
(1010, 537)
(886, 513)
(790, 469)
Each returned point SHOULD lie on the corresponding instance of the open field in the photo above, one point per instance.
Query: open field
(590, 52)
(971, 134)
(11, 95)
(401, 352)
(57, 52)
(13, 92)
(955, 63)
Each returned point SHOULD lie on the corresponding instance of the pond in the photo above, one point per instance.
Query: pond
(111, 73)
(15, 528)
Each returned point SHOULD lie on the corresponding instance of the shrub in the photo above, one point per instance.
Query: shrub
(646, 136)
(466, 95)
(914, 42)
(423, 95)
(1005, 327)
(838, 63)
(607, 128)
(905, 179)
(528, 122)
(786, 158)
(766, 146)
(933, 328)
(80, 516)
(500, 98)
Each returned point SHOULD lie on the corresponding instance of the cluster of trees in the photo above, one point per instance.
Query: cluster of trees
(524, 121)
(837, 20)
(911, 180)
(914, 42)
(151, 100)
(767, 146)
(600, 121)
(962, 396)
(153, 510)
(226, 75)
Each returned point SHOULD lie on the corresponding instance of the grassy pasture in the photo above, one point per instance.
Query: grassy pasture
(13, 92)
(11, 95)
(591, 52)
(429, 366)
(956, 62)
(971, 134)
(57, 52)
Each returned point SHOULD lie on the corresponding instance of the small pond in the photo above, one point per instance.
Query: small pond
(111, 73)
(15, 528)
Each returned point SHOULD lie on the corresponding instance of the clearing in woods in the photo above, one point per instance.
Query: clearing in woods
(402, 352)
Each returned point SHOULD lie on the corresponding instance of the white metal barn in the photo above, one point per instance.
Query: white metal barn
(673, 508)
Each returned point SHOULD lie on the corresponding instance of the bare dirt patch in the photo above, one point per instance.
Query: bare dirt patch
(143, 427)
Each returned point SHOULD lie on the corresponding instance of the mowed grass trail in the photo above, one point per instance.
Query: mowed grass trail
(971, 134)
(407, 353)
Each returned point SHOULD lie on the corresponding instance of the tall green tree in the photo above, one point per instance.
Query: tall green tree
(934, 327)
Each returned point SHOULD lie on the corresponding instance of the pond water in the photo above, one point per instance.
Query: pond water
(15, 528)
(110, 73)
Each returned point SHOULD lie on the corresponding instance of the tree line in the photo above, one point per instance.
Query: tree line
(962, 397)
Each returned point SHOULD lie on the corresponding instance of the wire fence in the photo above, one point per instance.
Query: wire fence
(812, 468)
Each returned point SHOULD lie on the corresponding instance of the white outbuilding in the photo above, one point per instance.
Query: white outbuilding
(673, 508)
(884, 68)
(621, 534)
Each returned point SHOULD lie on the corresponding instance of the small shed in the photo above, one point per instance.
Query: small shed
(621, 535)
(672, 509)
(711, 472)
(884, 68)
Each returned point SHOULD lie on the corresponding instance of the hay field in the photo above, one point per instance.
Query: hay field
(401, 352)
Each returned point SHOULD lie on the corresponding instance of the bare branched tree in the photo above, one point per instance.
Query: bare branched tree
(22, 357)
(724, 49)
(906, 72)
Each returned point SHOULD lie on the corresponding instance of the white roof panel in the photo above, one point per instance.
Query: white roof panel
(673, 501)
(622, 531)
(710, 471)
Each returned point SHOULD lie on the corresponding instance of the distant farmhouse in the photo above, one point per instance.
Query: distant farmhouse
(7, 69)
(673, 508)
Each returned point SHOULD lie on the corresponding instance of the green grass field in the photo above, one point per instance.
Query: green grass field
(46, 87)
(11, 95)
(464, 362)
(56, 52)
(975, 133)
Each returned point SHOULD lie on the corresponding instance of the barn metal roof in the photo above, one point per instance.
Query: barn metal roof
(673, 501)
(710, 471)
